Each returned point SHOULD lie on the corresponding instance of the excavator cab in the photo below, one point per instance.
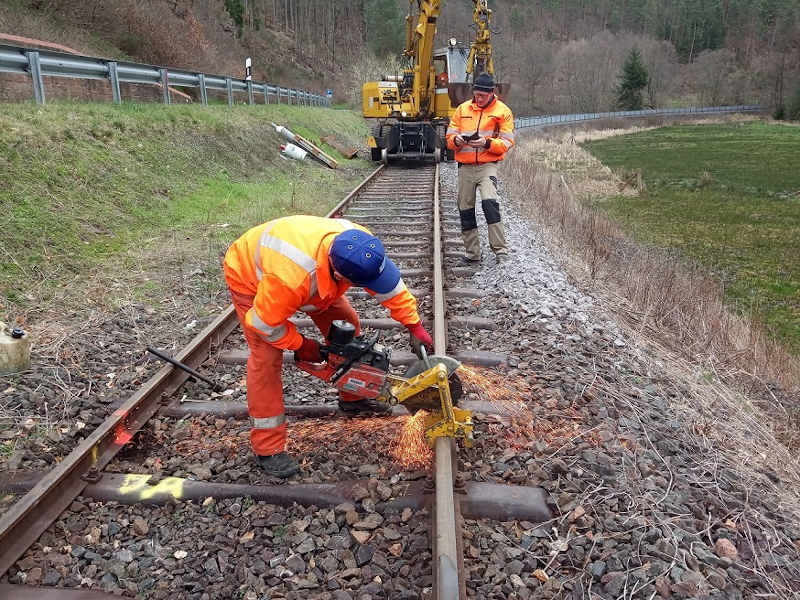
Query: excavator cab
(459, 88)
(453, 62)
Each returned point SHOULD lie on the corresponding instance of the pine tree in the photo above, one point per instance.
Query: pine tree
(633, 80)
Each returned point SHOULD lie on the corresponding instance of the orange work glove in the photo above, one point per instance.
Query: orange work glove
(308, 352)
(419, 337)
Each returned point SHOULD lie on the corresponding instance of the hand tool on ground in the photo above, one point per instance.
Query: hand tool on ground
(215, 386)
(359, 368)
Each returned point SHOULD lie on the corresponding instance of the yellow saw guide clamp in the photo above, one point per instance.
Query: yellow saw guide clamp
(433, 390)
(359, 368)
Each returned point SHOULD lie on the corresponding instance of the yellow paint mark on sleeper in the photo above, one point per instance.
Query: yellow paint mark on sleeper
(137, 485)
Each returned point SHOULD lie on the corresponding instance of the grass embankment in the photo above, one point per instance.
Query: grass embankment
(726, 195)
(91, 187)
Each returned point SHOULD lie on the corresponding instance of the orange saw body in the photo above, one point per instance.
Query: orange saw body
(359, 368)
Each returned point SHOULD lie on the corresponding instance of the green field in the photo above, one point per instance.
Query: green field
(90, 188)
(727, 196)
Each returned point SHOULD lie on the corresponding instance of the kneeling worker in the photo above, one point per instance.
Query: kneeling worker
(303, 263)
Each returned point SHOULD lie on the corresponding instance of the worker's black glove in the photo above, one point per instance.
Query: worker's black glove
(308, 351)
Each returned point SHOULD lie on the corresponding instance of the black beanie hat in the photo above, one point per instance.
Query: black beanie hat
(483, 83)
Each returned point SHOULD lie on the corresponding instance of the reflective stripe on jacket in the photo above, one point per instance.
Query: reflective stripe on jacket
(284, 264)
(495, 121)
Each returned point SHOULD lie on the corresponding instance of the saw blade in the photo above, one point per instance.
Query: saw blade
(428, 399)
(418, 366)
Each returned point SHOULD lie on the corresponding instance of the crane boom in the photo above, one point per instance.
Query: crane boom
(480, 54)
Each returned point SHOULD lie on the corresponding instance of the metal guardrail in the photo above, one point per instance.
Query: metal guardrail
(522, 122)
(40, 63)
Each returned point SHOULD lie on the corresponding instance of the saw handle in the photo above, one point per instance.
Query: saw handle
(349, 362)
(335, 365)
(422, 353)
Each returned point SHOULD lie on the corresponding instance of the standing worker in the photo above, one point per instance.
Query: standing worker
(304, 263)
(481, 131)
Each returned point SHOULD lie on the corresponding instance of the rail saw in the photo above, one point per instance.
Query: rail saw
(359, 368)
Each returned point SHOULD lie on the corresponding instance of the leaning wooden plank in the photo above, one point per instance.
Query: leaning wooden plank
(346, 151)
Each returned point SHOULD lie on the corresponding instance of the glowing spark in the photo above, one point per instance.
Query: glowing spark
(121, 435)
(410, 448)
(203, 438)
(311, 435)
(402, 436)
(511, 399)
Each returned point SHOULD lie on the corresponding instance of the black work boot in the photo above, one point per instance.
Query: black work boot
(364, 406)
(278, 465)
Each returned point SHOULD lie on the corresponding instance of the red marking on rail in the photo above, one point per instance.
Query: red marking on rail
(122, 436)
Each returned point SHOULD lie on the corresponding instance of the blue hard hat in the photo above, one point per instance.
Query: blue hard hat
(360, 258)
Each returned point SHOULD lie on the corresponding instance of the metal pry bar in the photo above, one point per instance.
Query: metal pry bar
(215, 386)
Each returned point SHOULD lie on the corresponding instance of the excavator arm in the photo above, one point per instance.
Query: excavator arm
(419, 47)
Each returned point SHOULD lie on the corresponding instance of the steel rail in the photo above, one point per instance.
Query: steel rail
(448, 560)
(336, 211)
(32, 514)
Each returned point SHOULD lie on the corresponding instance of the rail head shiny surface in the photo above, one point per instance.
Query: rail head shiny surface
(448, 566)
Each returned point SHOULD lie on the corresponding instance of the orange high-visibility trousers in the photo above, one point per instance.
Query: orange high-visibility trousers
(264, 384)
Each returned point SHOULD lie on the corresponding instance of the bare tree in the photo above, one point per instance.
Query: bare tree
(711, 72)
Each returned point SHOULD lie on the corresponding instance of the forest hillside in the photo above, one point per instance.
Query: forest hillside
(559, 55)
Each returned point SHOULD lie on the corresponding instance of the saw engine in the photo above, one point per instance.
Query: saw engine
(356, 366)
(359, 368)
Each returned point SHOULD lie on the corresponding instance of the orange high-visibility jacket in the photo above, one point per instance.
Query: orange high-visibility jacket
(495, 121)
(284, 264)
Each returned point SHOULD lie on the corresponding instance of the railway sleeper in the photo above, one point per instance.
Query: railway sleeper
(479, 500)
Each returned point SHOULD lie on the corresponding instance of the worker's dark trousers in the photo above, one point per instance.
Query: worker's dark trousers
(472, 178)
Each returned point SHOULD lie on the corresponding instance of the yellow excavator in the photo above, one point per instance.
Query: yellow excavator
(413, 107)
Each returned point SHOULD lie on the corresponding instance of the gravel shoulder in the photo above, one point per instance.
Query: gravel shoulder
(669, 484)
